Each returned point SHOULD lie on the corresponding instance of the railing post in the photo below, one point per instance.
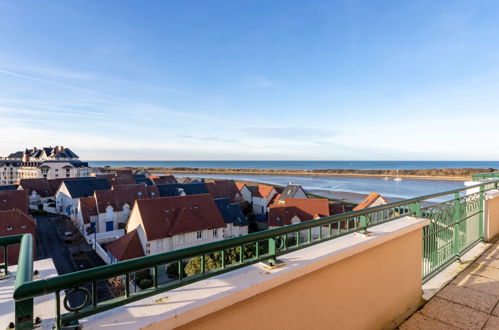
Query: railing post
(363, 224)
(457, 216)
(272, 251)
(416, 209)
(480, 215)
(24, 274)
(6, 261)
(24, 314)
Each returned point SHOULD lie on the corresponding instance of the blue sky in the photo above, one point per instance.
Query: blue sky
(318, 80)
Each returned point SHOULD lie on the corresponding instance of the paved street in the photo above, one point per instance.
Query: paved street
(49, 244)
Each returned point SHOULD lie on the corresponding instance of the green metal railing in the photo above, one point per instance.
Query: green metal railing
(24, 275)
(456, 225)
(485, 176)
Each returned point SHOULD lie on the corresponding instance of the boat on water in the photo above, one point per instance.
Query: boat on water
(397, 178)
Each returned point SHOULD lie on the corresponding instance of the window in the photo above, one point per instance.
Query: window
(214, 233)
(23, 226)
(139, 193)
(199, 234)
(9, 227)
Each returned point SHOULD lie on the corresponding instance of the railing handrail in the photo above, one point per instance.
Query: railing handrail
(44, 286)
(10, 240)
(493, 174)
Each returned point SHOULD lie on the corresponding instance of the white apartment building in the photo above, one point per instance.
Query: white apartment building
(49, 163)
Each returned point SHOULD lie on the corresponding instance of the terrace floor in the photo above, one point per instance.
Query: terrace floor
(470, 301)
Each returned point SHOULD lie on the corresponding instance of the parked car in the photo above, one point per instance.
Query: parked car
(68, 236)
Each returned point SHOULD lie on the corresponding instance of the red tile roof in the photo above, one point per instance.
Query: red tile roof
(169, 216)
(15, 222)
(126, 247)
(120, 195)
(14, 199)
(88, 208)
(164, 179)
(275, 199)
(304, 208)
(41, 186)
(227, 189)
(124, 173)
(240, 185)
(212, 189)
(261, 190)
(337, 208)
(371, 198)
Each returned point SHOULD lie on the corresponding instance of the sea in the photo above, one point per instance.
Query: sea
(407, 188)
(298, 164)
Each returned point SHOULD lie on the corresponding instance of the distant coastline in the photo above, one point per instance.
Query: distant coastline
(455, 174)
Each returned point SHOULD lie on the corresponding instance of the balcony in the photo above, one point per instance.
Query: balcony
(357, 270)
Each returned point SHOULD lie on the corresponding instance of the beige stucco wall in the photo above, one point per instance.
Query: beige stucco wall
(492, 216)
(371, 290)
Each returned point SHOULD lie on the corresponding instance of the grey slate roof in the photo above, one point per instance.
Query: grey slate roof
(290, 191)
(86, 187)
(18, 154)
(8, 187)
(231, 213)
(174, 189)
(142, 179)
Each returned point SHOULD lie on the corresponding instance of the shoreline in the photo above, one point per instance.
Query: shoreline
(451, 174)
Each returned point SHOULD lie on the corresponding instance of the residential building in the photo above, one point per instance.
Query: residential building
(180, 189)
(373, 199)
(8, 187)
(296, 210)
(292, 191)
(16, 222)
(14, 199)
(172, 223)
(164, 179)
(39, 191)
(259, 196)
(48, 162)
(114, 205)
(87, 215)
(70, 191)
(125, 248)
(142, 179)
(244, 191)
(235, 220)
(225, 189)
(9, 171)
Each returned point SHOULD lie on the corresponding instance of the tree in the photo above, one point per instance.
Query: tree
(77, 235)
(232, 256)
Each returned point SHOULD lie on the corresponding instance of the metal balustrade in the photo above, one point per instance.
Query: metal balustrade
(456, 226)
(485, 176)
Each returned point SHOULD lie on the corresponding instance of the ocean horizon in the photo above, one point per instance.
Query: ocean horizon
(299, 165)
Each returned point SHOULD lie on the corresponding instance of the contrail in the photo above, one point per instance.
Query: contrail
(122, 100)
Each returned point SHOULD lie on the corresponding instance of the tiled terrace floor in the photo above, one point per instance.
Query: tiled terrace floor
(470, 301)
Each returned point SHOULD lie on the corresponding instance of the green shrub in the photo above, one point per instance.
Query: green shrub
(145, 283)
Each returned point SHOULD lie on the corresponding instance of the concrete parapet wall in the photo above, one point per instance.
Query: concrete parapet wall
(491, 214)
(372, 289)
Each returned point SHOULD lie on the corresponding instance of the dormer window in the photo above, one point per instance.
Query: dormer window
(23, 226)
(139, 193)
(9, 227)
